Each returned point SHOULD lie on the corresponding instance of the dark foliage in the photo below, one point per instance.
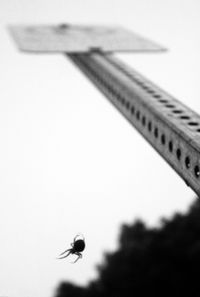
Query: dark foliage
(162, 262)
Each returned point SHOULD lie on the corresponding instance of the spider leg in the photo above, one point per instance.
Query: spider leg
(78, 235)
(79, 257)
(75, 238)
(69, 252)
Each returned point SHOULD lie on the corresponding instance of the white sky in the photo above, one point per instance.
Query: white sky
(69, 162)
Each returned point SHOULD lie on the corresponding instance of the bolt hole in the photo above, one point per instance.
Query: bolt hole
(177, 111)
(138, 115)
(193, 124)
(127, 105)
(170, 105)
(198, 130)
(196, 171)
(156, 96)
(149, 126)
(178, 154)
(150, 91)
(184, 117)
(94, 49)
(163, 139)
(143, 121)
(156, 132)
(119, 98)
(132, 109)
(163, 101)
(145, 87)
(63, 26)
(170, 146)
(187, 162)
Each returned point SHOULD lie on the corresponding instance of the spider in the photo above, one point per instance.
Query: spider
(78, 245)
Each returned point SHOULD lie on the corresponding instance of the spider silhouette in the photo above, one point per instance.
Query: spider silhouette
(78, 245)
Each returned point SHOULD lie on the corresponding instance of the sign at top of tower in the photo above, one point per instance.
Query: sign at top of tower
(79, 39)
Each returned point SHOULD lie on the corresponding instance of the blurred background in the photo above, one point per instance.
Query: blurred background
(69, 162)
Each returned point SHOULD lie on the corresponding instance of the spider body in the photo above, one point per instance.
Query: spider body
(78, 245)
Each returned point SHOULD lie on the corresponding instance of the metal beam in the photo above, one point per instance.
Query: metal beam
(168, 125)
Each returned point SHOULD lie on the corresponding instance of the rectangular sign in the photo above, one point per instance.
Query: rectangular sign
(79, 39)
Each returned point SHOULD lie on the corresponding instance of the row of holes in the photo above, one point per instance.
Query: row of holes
(156, 133)
(145, 123)
(159, 97)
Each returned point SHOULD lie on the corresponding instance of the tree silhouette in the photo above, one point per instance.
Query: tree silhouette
(162, 261)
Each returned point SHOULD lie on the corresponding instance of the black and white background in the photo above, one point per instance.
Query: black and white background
(69, 162)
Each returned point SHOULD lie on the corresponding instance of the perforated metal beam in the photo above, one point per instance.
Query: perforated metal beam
(168, 125)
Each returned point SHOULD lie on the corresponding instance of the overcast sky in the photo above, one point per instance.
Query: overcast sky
(69, 162)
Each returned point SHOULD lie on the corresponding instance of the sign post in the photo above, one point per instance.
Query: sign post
(169, 126)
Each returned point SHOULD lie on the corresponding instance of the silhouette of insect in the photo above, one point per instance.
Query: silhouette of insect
(78, 245)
